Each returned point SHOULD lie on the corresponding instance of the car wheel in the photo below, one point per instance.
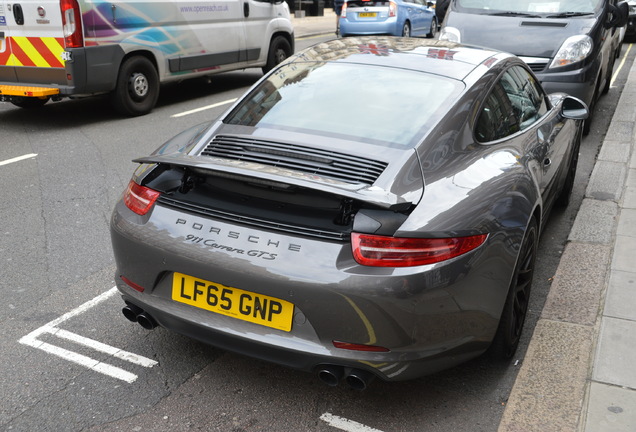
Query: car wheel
(515, 309)
(279, 50)
(29, 102)
(433, 30)
(137, 88)
(406, 29)
(563, 200)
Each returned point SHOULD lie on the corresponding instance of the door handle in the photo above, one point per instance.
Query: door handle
(18, 15)
(246, 9)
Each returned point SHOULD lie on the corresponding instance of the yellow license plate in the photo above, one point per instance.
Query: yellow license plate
(367, 14)
(233, 302)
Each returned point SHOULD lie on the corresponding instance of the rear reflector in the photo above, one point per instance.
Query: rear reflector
(359, 347)
(140, 199)
(380, 251)
(132, 284)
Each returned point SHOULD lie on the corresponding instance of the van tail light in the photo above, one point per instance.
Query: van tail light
(343, 11)
(140, 199)
(72, 24)
(392, 9)
(380, 251)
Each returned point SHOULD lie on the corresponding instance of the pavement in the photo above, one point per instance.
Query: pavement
(579, 372)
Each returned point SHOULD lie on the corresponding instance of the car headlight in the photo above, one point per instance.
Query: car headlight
(450, 34)
(574, 49)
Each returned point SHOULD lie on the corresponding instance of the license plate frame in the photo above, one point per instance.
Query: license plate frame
(244, 305)
(367, 14)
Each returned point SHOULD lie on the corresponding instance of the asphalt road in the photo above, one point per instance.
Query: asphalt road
(71, 362)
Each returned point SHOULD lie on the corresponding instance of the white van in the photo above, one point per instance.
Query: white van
(53, 49)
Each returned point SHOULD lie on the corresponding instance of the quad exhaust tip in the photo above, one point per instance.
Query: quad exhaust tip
(357, 379)
(136, 314)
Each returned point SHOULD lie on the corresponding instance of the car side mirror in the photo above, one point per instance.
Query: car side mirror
(574, 108)
(619, 15)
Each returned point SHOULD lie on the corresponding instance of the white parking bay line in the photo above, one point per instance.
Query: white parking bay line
(18, 159)
(345, 424)
(32, 340)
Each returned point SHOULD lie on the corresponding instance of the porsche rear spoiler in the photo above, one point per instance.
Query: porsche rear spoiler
(256, 172)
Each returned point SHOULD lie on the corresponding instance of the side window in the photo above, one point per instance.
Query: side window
(497, 118)
(526, 96)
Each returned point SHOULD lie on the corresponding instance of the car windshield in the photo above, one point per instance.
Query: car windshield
(530, 7)
(387, 106)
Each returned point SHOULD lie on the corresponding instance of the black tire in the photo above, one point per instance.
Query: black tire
(587, 123)
(406, 29)
(279, 50)
(137, 88)
(563, 200)
(29, 102)
(515, 309)
(608, 77)
(433, 30)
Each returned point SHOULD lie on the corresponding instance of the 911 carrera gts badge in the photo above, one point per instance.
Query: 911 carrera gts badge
(212, 237)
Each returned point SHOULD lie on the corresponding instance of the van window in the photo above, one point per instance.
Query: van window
(529, 6)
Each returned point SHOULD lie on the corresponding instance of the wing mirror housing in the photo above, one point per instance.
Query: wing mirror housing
(574, 108)
(618, 15)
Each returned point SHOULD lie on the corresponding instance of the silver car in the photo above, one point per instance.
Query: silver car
(369, 208)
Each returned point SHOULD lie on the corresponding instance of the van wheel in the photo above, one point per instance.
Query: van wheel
(279, 50)
(29, 102)
(563, 200)
(608, 79)
(515, 309)
(137, 87)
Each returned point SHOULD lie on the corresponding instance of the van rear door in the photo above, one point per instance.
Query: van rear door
(32, 43)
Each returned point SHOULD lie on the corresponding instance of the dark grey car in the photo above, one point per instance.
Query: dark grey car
(371, 207)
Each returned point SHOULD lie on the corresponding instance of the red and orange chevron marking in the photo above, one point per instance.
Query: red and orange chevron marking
(33, 51)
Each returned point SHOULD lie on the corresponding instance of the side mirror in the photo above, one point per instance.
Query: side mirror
(619, 14)
(574, 108)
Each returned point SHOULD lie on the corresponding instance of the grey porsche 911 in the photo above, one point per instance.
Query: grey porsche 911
(369, 208)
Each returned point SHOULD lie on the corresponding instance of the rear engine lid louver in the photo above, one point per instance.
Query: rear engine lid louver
(325, 163)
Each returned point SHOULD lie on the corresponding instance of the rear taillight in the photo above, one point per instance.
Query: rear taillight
(392, 9)
(72, 23)
(140, 199)
(359, 347)
(380, 251)
(343, 12)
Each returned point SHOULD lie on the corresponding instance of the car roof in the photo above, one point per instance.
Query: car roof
(425, 55)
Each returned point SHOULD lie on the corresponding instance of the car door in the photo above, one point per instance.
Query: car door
(415, 15)
(517, 110)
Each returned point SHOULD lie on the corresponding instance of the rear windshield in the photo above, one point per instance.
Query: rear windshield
(365, 3)
(389, 106)
(531, 6)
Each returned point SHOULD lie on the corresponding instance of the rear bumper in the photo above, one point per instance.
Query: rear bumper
(430, 318)
(388, 27)
(88, 71)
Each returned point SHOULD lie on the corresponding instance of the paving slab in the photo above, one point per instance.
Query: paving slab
(550, 388)
(620, 301)
(607, 180)
(616, 352)
(616, 151)
(594, 222)
(575, 294)
(612, 409)
(627, 225)
(624, 253)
